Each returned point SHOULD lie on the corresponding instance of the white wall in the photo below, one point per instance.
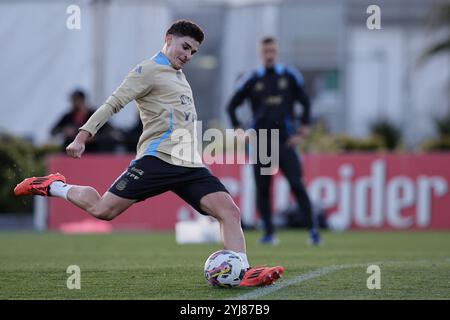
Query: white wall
(41, 61)
(385, 79)
(135, 32)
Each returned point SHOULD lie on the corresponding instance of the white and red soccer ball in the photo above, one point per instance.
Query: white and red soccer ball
(224, 268)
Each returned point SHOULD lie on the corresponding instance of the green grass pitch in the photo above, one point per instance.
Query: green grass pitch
(413, 265)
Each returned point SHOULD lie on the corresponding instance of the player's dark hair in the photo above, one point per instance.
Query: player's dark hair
(78, 94)
(268, 39)
(183, 28)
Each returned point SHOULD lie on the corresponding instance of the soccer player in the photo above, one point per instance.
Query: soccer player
(167, 109)
(273, 90)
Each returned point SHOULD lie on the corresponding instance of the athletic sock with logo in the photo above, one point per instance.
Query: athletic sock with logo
(59, 189)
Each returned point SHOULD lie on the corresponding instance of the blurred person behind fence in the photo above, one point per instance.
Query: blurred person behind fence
(272, 91)
(67, 126)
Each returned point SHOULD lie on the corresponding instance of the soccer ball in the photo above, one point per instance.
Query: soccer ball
(224, 268)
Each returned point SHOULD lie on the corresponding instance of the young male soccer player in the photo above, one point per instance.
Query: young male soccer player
(166, 108)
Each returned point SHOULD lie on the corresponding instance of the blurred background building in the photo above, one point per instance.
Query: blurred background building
(354, 75)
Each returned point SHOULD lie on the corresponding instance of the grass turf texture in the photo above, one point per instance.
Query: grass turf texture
(153, 266)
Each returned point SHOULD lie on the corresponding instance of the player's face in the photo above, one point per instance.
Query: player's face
(77, 103)
(269, 54)
(180, 50)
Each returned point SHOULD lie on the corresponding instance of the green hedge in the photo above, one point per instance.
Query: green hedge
(320, 141)
(19, 159)
(438, 144)
(442, 141)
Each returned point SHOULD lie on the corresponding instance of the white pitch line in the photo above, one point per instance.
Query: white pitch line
(301, 278)
(257, 293)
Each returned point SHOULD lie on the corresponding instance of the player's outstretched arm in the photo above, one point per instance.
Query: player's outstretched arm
(76, 148)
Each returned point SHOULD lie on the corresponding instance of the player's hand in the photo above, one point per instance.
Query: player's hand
(295, 140)
(298, 138)
(75, 149)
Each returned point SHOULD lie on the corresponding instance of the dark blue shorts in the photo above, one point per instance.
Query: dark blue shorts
(150, 176)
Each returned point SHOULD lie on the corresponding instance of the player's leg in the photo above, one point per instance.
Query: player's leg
(208, 195)
(264, 204)
(221, 206)
(291, 167)
(205, 193)
(105, 207)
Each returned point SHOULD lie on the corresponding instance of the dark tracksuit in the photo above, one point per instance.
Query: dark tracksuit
(272, 93)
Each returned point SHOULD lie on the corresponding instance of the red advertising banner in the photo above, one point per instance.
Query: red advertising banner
(389, 191)
(357, 191)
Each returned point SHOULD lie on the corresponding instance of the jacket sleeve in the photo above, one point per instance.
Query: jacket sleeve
(242, 92)
(301, 96)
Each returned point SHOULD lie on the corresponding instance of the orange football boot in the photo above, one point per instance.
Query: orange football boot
(37, 185)
(261, 276)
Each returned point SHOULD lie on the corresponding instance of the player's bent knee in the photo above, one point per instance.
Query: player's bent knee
(108, 216)
(105, 213)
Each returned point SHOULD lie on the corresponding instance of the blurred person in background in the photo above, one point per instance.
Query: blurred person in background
(272, 91)
(67, 126)
(131, 135)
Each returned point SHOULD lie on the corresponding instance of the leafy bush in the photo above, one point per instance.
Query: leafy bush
(443, 125)
(19, 159)
(320, 141)
(438, 144)
(372, 143)
(389, 134)
(442, 141)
